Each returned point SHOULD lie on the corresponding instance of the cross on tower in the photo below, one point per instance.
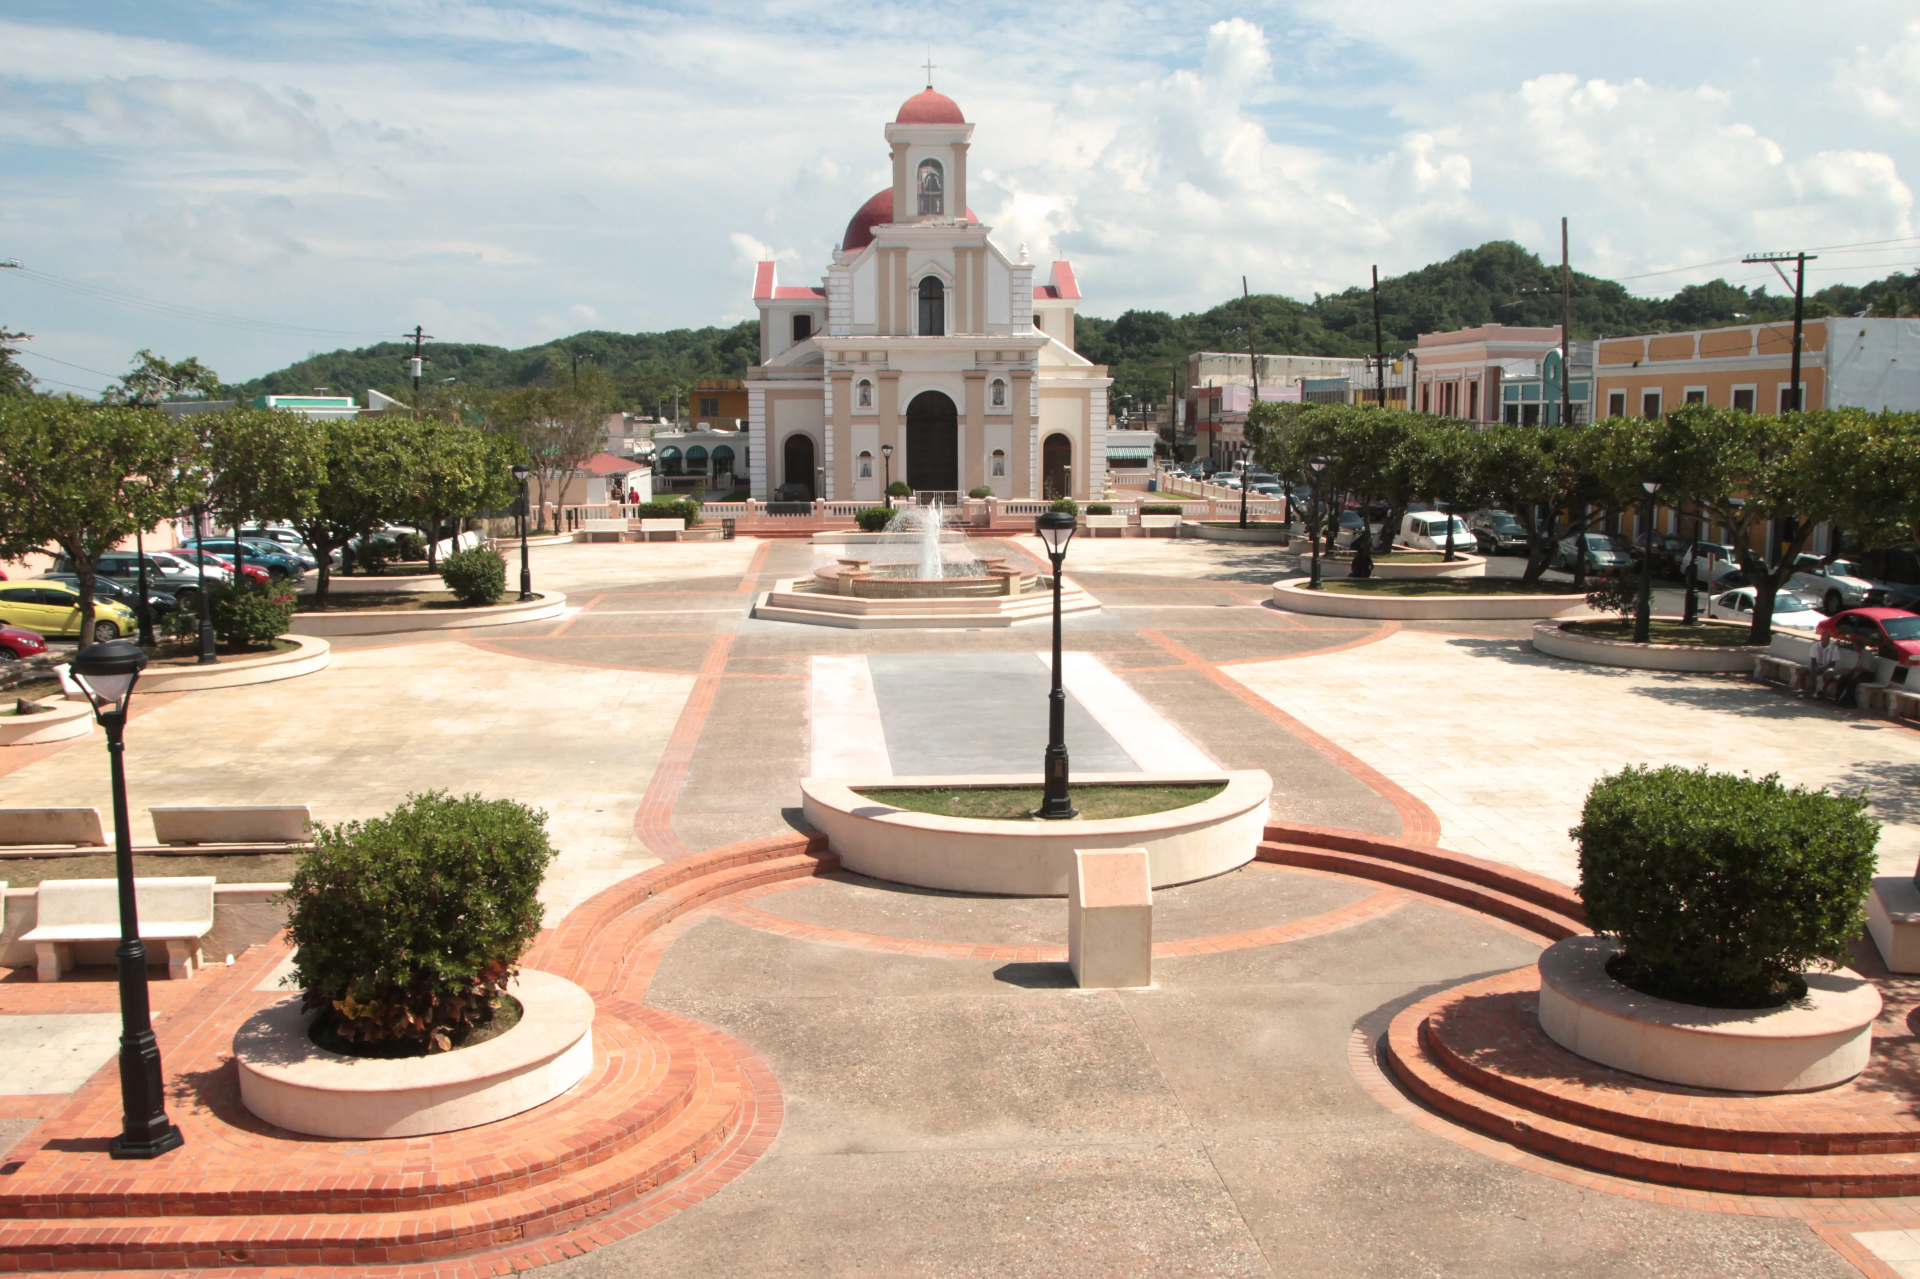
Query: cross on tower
(929, 67)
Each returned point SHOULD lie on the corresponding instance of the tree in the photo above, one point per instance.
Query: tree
(154, 379)
(262, 464)
(14, 380)
(360, 483)
(559, 426)
(1870, 464)
(84, 477)
(447, 475)
(1536, 472)
(1441, 460)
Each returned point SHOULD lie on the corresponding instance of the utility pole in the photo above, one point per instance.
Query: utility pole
(577, 357)
(1253, 369)
(1799, 285)
(414, 365)
(1380, 349)
(1566, 331)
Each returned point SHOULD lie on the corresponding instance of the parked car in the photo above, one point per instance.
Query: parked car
(105, 588)
(284, 540)
(1429, 531)
(1667, 551)
(1893, 633)
(277, 565)
(1603, 552)
(17, 643)
(1788, 609)
(1498, 533)
(53, 608)
(1716, 560)
(219, 566)
(1837, 584)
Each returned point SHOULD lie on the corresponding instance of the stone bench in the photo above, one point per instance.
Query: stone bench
(232, 824)
(1168, 525)
(597, 529)
(1790, 675)
(668, 530)
(41, 826)
(1903, 703)
(1098, 524)
(1110, 918)
(177, 911)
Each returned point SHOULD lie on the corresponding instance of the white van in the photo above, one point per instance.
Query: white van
(1427, 531)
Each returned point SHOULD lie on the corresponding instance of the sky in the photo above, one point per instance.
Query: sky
(251, 182)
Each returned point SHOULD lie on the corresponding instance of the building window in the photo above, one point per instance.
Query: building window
(1473, 401)
(1697, 395)
(802, 327)
(866, 462)
(1513, 415)
(709, 406)
(863, 394)
(1743, 398)
(1426, 398)
(1616, 403)
(932, 187)
(999, 468)
(1649, 404)
(997, 394)
(1529, 415)
(933, 307)
(1786, 399)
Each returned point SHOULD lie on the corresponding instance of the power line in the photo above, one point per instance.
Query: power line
(174, 310)
(21, 350)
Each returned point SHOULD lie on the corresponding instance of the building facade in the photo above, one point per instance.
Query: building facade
(926, 354)
(1500, 373)
(1844, 362)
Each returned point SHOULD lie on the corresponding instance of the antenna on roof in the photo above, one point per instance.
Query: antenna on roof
(929, 66)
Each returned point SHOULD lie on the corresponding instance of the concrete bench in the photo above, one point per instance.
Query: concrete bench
(596, 529)
(1790, 675)
(668, 530)
(1098, 524)
(1110, 918)
(232, 824)
(1167, 524)
(78, 826)
(1903, 703)
(177, 911)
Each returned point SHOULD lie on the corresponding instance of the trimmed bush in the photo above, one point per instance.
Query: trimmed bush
(478, 576)
(873, 519)
(1099, 508)
(979, 491)
(1066, 504)
(899, 488)
(1720, 888)
(672, 508)
(250, 615)
(1162, 508)
(375, 555)
(409, 927)
(410, 547)
(1614, 593)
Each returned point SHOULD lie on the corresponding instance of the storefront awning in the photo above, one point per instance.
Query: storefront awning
(1129, 451)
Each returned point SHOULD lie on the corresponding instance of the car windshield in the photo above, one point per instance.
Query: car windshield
(1841, 568)
(1791, 604)
(1901, 628)
(1506, 524)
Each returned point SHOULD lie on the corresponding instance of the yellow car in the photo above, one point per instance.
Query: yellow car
(53, 608)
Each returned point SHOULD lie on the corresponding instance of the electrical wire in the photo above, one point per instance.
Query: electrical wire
(174, 310)
(21, 350)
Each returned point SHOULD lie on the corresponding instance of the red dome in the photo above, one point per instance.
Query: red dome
(877, 211)
(928, 107)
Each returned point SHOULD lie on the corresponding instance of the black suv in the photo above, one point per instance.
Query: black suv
(1498, 533)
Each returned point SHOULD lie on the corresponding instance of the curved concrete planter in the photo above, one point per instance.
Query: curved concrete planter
(288, 1080)
(236, 672)
(65, 720)
(1463, 565)
(338, 585)
(1415, 608)
(1274, 534)
(855, 537)
(1035, 859)
(1820, 1041)
(1556, 641)
(373, 621)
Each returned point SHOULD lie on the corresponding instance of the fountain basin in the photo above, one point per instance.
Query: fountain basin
(891, 605)
(903, 580)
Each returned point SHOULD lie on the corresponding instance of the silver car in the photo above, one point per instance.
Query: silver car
(1836, 584)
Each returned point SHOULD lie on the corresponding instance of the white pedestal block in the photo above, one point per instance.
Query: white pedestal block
(1110, 918)
(1893, 918)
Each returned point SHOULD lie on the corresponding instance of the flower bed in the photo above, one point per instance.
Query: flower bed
(1708, 648)
(1431, 599)
(381, 621)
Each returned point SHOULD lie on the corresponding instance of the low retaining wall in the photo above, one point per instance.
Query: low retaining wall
(66, 720)
(359, 584)
(1274, 534)
(1035, 859)
(1555, 640)
(243, 915)
(373, 621)
(1462, 565)
(312, 655)
(1418, 608)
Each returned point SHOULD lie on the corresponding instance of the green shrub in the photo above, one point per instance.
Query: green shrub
(374, 555)
(873, 519)
(671, 508)
(1099, 508)
(478, 576)
(409, 927)
(979, 491)
(1614, 593)
(899, 488)
(250, 615)
(410, 546)
(1066, 504)
(1162, 508)
(1722, 888)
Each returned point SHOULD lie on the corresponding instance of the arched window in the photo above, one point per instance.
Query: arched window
(997, 396)
(697, 460)
(933, 307)
(723, 459)
(863, 394)
(669, 460)
(932, 187)
(802, 327)
(999, 463)
(866, 464)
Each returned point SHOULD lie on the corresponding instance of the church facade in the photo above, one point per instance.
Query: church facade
(926, 354)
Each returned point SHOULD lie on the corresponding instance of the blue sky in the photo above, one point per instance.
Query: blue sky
(513, 171)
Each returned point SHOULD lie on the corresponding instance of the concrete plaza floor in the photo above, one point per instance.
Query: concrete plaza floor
(950, 1116)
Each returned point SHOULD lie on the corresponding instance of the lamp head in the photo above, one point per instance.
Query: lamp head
(886, 450)
(1317, 464)
(1055, 528)
(107, 673)
(1651, 483)
(521, 471)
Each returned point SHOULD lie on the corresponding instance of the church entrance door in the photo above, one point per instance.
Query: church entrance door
(797, 457)
(933, 444)
(1056, 466)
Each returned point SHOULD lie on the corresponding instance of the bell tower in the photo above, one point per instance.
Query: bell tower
(929, 138)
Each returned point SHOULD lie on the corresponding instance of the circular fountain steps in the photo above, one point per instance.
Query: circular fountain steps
(790, 600)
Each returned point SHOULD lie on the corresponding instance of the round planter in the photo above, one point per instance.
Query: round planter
(1296, 598)
(236, 672)
(65, 720)
(1274, 534)
(842, 537)
(289, 1081)
(1818, 1042)
(358, 585)
(1035, 859)
(374, 621)
(1555, 640)
(1463, 565)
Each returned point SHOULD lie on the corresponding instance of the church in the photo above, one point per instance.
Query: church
(926, 354)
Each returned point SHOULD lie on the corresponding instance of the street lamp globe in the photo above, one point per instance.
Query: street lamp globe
(1055, 528)
(1317, 464)
(521, 471)
(1651, 483)
(107, 672)
(886, 450)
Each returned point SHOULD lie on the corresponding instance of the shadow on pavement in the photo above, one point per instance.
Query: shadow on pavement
(1048, 976)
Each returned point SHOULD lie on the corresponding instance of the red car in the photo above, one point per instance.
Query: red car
(252, 572)
(1889, 632)
(16, 644)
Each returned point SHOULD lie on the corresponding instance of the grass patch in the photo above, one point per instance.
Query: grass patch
(1016, 803)
(504, 1018)
(1252, 522)
(1450, 586)
(1400, 557)
(187, 653)
(385, 601)
(236, 868)
(33, 690)
(1659, 631)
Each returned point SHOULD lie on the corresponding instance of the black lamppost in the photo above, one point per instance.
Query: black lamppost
(886, 471)
(207, 655)
(107, 673)
(1691, 613)
(1055, 528)
(1315, 515)
(521, 472)
(146, 608)
(1241, 466)
(1643, 609)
